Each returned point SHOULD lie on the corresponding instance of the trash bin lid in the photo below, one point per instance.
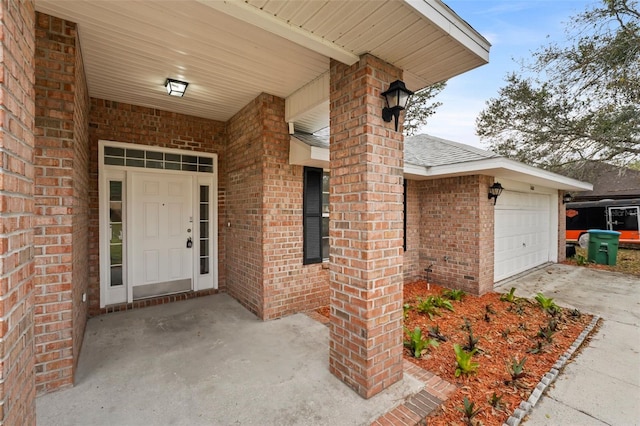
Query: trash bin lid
(603, 231)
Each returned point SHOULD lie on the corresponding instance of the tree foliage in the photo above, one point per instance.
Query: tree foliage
(421, 107)
(582, 101)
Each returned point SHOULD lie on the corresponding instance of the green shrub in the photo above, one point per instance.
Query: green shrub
(464, 360)
(427, 306)
(509, 297)
(452, 294)
(516, 368)
(417, 343)
(469, 411)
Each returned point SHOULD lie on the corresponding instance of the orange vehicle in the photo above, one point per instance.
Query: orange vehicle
(613, 215)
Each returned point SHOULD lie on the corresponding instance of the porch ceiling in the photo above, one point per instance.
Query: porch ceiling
(231, 51)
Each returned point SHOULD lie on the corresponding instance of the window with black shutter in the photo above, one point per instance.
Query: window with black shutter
(313, 216)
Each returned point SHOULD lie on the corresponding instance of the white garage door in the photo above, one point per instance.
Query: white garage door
(522, 222)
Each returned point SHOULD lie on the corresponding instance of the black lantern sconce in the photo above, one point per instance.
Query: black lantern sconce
(176, 87)
(566, 198)
(396, 98)
(494, 192)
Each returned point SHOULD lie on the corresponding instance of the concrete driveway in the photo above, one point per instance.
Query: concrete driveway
(209, 361)
(601, 386)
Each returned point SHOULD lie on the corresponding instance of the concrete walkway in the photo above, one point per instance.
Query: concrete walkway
(602, 384)
(209, 361)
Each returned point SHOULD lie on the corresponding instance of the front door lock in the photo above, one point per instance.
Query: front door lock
(189, 242)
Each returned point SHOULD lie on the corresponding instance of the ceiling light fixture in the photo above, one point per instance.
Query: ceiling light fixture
(176, 87)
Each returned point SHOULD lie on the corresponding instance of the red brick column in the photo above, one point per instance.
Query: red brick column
(366, 229)
(61, 201)
(562, 228)
(17, 384)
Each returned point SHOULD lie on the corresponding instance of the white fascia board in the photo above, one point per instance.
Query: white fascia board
(438, 13)
(254, 16)
(412, 171)
(511, 169)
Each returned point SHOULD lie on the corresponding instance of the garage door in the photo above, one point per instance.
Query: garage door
(522, 222)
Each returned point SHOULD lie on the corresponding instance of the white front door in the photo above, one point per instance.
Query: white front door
(161, 254)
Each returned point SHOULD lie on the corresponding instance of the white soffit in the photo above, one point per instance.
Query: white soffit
(231, 51)
(308, 107)
(129, 48)
(271, 23)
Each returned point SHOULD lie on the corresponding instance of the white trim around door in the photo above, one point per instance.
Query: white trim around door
(158, 220)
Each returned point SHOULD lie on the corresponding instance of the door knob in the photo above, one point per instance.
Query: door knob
(189, 242)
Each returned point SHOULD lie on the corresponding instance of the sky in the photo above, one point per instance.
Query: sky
(514, 29)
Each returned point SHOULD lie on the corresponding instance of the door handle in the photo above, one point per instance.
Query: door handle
(189, 242)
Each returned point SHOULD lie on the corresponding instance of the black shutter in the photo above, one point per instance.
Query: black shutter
(404, 234)
(312, 215)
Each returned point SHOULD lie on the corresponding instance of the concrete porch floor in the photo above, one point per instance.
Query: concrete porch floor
(209, 361)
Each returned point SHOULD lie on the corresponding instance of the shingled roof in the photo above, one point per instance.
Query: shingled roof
(609, 181)
(428, 151)
(421, 150)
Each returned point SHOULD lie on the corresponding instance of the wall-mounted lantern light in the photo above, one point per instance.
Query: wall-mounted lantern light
(566, 198)
(176, 87)
(396, 99)
(494, 192)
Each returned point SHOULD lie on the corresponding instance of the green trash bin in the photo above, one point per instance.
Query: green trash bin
(603, 246)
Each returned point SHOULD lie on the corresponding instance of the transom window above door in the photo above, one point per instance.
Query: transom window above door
(150, 159)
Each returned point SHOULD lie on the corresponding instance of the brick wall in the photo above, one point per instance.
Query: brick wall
(17, 110)
(80, 220)
(121, 122)
(486, 235)
(366, 230)
(289, 286)
(456, 232)
(61, 202)
(244, 264)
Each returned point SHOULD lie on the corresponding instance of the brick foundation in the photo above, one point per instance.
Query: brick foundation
(366, 229)
(17, 115)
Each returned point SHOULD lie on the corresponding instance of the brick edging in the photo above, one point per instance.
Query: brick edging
(153, 301)
(416, 407)
(414, 410)
(546, 381)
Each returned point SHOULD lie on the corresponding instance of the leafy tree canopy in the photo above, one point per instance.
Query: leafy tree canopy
(421, 107)
(583, 101)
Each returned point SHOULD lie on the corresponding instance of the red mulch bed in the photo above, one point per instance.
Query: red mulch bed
(504, 334)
